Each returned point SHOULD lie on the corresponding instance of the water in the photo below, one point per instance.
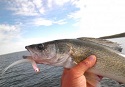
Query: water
(23, 75)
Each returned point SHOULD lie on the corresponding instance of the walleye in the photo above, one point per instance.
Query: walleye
(69, 52)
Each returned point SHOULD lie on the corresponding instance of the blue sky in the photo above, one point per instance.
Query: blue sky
(24, 22)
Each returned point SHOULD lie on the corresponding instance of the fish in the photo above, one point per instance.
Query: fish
(113, 36)
(69, 52)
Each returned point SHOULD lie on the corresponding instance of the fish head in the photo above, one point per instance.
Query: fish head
(55, 53)
(42, 51)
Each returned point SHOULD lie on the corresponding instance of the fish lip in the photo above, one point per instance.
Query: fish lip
(26, 47)
(30, 51)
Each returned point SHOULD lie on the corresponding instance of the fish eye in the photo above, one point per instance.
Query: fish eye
(40, 46)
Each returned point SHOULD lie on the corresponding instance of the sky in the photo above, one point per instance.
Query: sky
(25, 22)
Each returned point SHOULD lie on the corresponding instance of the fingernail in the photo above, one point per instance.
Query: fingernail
(92, 57)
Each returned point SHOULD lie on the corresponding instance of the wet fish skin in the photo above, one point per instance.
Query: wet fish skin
(110, 63)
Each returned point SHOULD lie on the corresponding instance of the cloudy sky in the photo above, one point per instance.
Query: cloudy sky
(25, 22)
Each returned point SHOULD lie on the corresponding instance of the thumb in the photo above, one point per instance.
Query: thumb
(85, 64)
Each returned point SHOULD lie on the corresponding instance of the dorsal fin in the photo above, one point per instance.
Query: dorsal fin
(104, 42)
(114, 36)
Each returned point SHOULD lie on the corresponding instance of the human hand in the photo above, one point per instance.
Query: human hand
(75, 77)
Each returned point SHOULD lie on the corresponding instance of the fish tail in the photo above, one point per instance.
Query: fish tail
(15, 63)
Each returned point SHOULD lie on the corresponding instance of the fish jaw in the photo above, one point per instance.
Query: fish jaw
(32, 53)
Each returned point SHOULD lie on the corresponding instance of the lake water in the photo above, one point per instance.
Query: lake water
(23, 75)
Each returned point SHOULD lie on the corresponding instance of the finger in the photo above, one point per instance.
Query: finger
(65, 71)
(89, 85)
(85, 64)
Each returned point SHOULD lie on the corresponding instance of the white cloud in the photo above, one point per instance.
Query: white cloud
(99, 17)
(103, 17)
(57, 2)
(42, 10)
(49, 4)
(78, 3)
(76, 15)
(26, 7)
(41, 21)
(8, 28)
(8, 32)
(35, 7)
(60, 22)
(46, 22)
(38, 7)
(38, 3)
(61, 2)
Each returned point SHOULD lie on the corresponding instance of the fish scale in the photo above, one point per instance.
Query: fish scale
(68, 52)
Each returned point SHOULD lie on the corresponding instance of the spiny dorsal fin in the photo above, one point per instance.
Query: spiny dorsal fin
(114, 36)
(103, 42)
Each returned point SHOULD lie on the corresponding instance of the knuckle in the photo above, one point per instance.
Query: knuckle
(86, 64)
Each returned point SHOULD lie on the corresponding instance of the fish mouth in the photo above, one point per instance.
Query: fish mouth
(26, 47)
(30, 50)
(32, 53)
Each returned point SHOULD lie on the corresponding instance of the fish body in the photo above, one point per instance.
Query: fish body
(68, 52)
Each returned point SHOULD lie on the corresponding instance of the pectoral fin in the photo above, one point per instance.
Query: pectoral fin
(93, 79)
